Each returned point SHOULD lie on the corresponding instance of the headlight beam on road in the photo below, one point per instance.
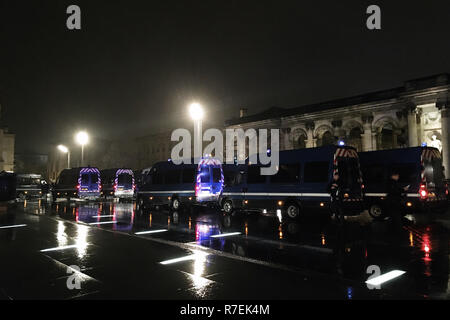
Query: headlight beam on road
(196, 255)
(61, 248)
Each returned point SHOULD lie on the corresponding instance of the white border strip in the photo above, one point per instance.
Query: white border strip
(151, 231)
(376, 281)
(226, 235)
(13, 226)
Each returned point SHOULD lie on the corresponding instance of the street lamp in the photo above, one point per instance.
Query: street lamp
(196, 113)
(82, 138)
(64, 149)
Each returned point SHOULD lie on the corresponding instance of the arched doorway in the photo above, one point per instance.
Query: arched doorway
(386, 137)
(300, 142)
(354, 138)
(327, 139)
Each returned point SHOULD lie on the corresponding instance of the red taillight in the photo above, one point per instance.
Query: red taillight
(115, 186)
(78, 187)
(363, 186)
(423, 192)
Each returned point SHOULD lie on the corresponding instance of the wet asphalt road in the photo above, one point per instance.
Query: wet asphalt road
(119, 249)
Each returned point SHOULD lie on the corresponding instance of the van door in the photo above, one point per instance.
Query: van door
(124, 181)
(89, 182)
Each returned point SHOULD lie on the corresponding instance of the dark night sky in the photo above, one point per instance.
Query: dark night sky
(135, 65)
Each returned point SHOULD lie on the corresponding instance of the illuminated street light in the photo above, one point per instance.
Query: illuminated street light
(196, 113)
(82, 138)
(64, 149)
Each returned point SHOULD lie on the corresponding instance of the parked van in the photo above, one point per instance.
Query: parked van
(118, 183)
(300, 184)
(182, 185)
(7, 186)
(83, 183)
(30, 186)
(419, 167)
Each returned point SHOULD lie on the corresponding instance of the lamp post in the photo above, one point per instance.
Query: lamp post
(64, 149)
(196, 113)
(82, 138)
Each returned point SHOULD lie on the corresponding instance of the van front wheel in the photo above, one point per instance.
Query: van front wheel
(227, 206)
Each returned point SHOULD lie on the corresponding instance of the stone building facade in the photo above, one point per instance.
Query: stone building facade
(153, 148)
(7, 142)
(414, 114)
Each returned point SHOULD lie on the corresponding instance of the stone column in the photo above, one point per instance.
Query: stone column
(413, 139)
(287, 139)
(310, 141)
(445, 128)
(339, 134)
(374, 141)
(366, 137)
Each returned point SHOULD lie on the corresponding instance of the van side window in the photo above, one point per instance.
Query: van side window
(373, 173)
(157, 177)
(232, 177)
(173, 176)
(188, 175)
(287, 173)
(317, 171)
(254, 175)
(409, 172)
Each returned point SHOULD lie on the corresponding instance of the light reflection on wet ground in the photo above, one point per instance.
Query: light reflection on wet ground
(421, 248)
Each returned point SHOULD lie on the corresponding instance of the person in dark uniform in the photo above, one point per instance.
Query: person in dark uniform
(335, 190)
(395, 194)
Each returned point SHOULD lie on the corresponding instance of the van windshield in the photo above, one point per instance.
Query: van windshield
(349, 173)
(28, 181)
(204, 174)
(434, 173)
(89, 178)
(216, 175)
(124, 178)
(85, 178)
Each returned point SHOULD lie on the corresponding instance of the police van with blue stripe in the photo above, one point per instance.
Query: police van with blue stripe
(420, 168)
(299, 186)
(182, 185)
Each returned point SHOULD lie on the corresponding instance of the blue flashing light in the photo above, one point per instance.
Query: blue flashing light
(341, 143)
(424, 144)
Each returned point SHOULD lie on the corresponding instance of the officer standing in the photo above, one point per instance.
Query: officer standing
(395, 194)
(335, 190)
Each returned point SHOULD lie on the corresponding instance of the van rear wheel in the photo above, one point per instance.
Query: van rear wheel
(140, 203)
(376, 211)
(175, 205)
(292, 211)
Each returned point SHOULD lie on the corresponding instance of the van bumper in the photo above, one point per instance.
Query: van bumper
(124, 194)
(426, 206)
(89, 195)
